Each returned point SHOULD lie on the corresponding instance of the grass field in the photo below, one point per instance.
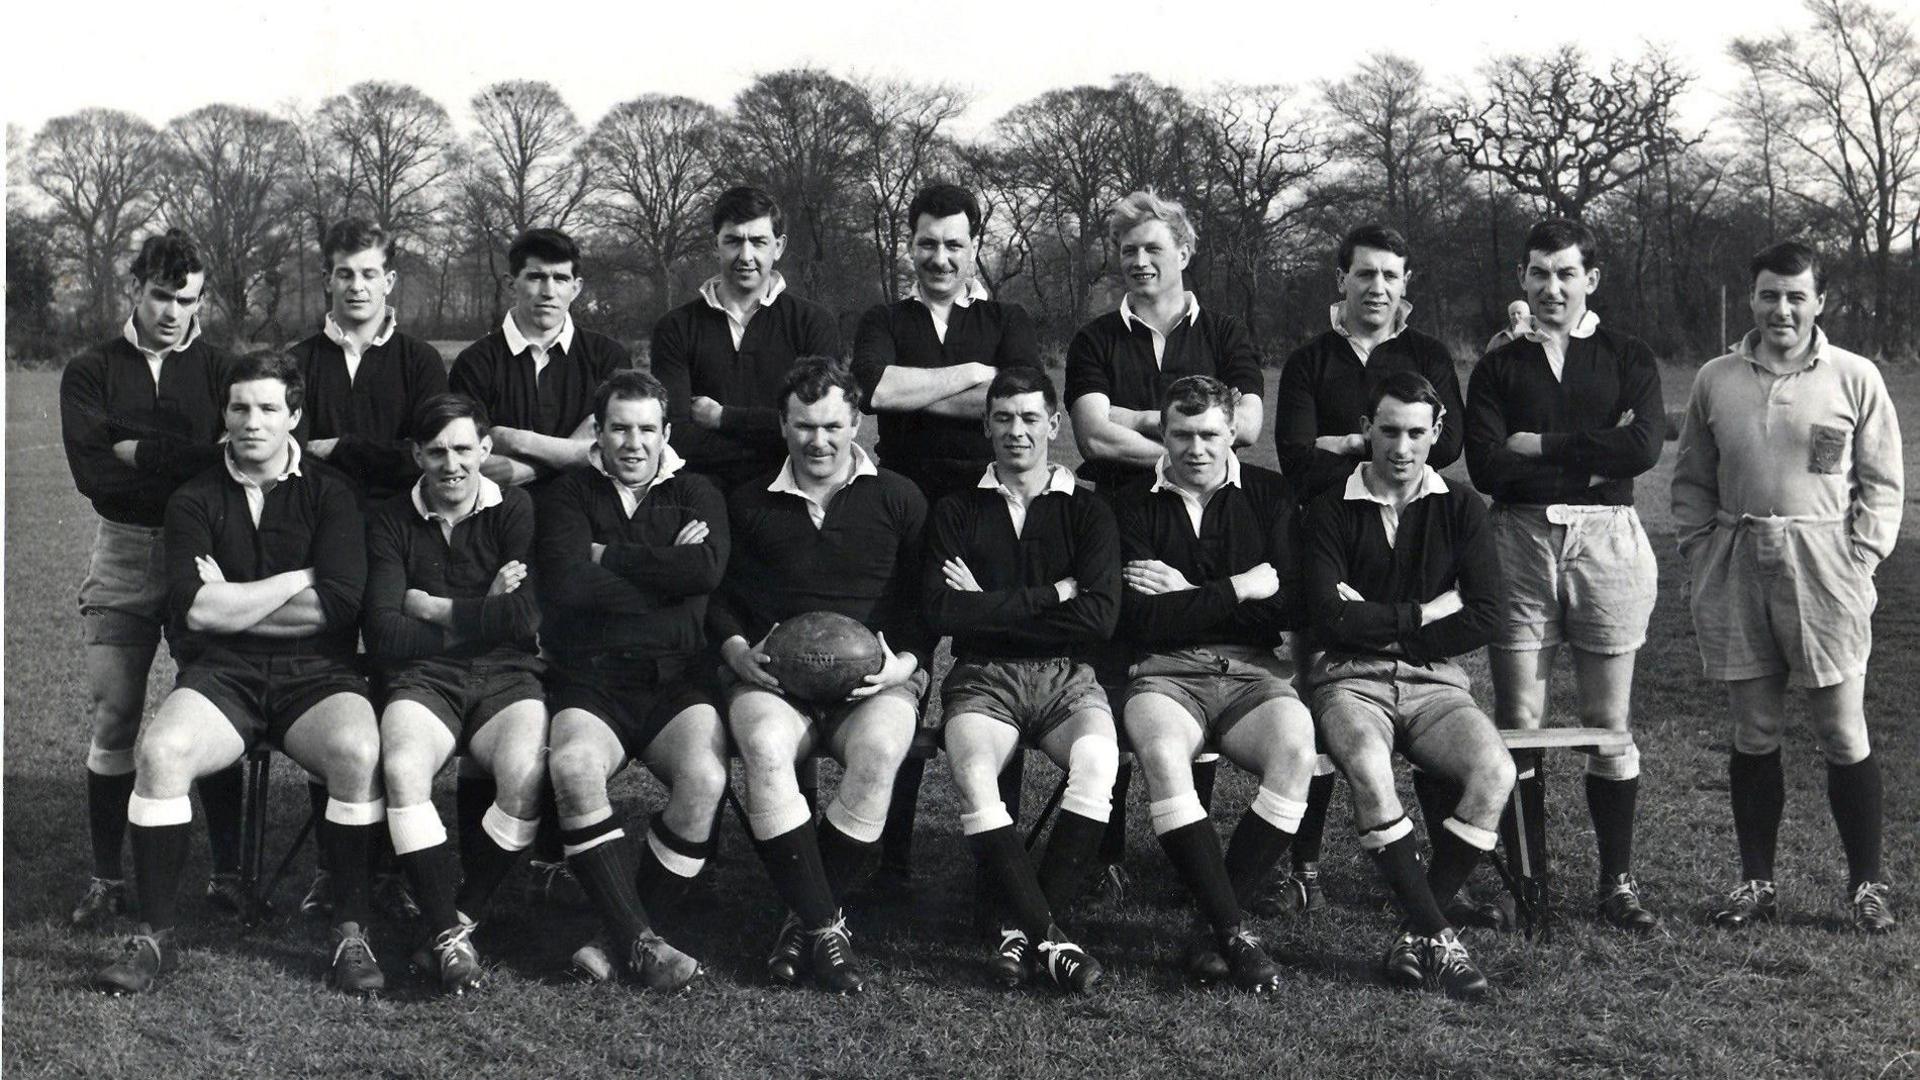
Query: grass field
(1807, 998)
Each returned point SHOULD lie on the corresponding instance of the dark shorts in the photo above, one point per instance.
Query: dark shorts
(262, 696)
(1034, 696)
(1217, 687)
(459, 693)
(635, 700)
(1403, 702)
(825, 718)
(123, 600)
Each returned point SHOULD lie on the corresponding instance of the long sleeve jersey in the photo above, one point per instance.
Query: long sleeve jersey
(491, 373)
(407, 550)
(902, 333)
(108, 394)
(370, 412)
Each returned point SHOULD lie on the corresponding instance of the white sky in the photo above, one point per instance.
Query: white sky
(160, 60)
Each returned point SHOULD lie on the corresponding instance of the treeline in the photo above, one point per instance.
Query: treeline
(1822, 142)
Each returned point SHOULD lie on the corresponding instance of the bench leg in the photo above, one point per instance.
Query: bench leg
(1523, 835)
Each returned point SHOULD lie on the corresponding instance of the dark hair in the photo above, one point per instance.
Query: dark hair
(1191, 395)
(944, 201)
(548, 245)
(1788, 258)
(1559, 234)
(1023, 379)
(627, 384)
(438, 411)
(350, 235)
(1371, 235)
(265, 364)
(811, 377)
(1408, 386)
(739, 205)
(167, 258)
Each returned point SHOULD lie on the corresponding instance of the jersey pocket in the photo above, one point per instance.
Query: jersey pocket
(1827, 449)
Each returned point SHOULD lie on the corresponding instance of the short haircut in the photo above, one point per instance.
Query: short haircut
(1559, 234)
(1788, 258)
(1191, 395)
(739, 205)
(265, 364)
(1408, 386)
(1371, 235)
(550, 246)
(627, 384)
(1144, 206)
(943, 201)
(166, 259)
(811, 377)
(438, 411)
(349, 236)
(1022, 379)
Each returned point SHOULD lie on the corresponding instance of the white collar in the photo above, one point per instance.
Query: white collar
(132, 334)
(776, 284)
(517, 342)
(489, 495)
(338, 336)
(1429, 483)
(1400, 316)
(784, 482)
(1128, 318)
(292, 469)
(1161, 483)
(1745, 350)
(975, 290)
(670, 463)
(1589, 322)
(1060, 480)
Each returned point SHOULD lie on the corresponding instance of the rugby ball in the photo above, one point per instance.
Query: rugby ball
(822, 656)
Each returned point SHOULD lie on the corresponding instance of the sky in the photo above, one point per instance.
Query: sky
(160, 60)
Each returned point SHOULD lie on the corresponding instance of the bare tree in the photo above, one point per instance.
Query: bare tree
(801, 130)
(655, 158)
(1060, 149)
(1155, 137)
(100, 169)
(1564, 135)
(900, 126)
(527, 157)
(230, 185)
(1388, 133)
(396, 141)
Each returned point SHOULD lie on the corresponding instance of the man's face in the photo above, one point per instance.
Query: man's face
(1019, 426)
(162, 311)
(1373, 285)
(944, 252)
(748, 250)
(820, 435)
(1517, 316)
(542, 292)
(359, 284)
(632, 439)
(1198, 447)
(1784, 308)
(451, 460)
(259, 424)
(1399, 438)
(1558, 283)
(1152, 261)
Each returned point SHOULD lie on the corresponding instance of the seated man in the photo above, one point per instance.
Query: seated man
(1026, 607)
(1210, 588)
(1402, 576)
(450, 624)
(828, 532)
(630, 546)
(266, 560)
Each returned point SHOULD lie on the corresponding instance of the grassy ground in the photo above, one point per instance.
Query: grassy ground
(1806, 998)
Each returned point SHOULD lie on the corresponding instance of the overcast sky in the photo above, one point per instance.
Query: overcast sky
(160, 60)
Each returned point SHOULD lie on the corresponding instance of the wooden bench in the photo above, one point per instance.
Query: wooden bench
(1526, 871)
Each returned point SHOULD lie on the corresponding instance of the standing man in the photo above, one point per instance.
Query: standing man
(1519, 319)
(924, 363)
(450, 622)
(266, 564)
(1558, 425)
(1787, 496)
(831, 532)
(723, 354)
(1211, 589)
(630, 547)
(1402, 576)
(1318, 419)
(140, 414)
(1027, 607)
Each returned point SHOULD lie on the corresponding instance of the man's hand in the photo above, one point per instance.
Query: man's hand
(125, 449)
(1345, 445)
(706, 412)
(508, 578)
(746, 660)
(1524, 443)
(594, 551)
(209, 570)
(1349, 593)
(1258, 583)
(322, 448)
(898, 669)
(693, 532)
(1447, 603)
(1066, 588)
(1153, 577)
(958, 576)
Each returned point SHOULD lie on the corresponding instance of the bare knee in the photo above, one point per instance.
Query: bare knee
(577, 771)
(765, 747)
(163, 759)
(700, 781)
(353, 762)
(409, 771)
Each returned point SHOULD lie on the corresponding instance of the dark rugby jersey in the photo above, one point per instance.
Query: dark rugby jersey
(107, 394)
(407, 551)
(372, 412)
(505, 383)
(1577, 417)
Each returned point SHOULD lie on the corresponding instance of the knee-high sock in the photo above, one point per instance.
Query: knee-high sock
(1613, 788)
(790, 848)
(847, 843)
(1854, 793)
(1313, 823)
(1072, 854)
(159, 841)
(1259, 840)
(317, 807)
(596, 853)
(996, 844)
(109, 786)
(221, 794)
(897, 835)
(420, 845)
(351, 830)
(1759, 794)
(1456, 851)
(501, 845)
(668, 864)
(472, 795)
(1193, 847)
(1396, 856)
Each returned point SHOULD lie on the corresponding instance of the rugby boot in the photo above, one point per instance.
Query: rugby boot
(1872, 914)
(592, 962)
(835, 968)
(790, 953)
(1401, 965)
(1445, 967)
(659, 966)
(143, 958)
(354, 970)
(1619, 907)
(1013, 962)
(1294, 893)
(452, 957)
(224, 893)
(1750, 902)
(394, 899)
(1068, 966)
(104, 899)
(1251, 967)
(1203, 960)
(318, 903)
